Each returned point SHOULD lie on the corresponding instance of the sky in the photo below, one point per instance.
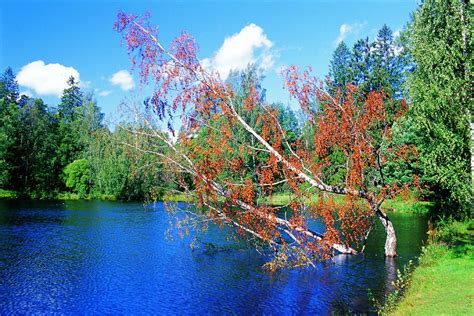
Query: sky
(45, 42)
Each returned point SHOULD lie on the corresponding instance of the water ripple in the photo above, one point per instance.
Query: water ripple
(113, 258)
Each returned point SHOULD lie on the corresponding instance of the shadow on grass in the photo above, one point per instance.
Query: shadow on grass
(459, 237)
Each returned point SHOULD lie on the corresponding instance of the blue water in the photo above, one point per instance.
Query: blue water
(113, 258)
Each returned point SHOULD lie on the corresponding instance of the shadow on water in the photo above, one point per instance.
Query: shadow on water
(110, 257)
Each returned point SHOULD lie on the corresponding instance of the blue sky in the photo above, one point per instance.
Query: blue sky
(45, 41)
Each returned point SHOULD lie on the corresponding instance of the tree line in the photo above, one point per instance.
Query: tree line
(48, 152)
(429, 65)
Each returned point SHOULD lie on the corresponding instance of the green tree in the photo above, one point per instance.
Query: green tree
(70, 100)
(77, 177)
(440, 90)
(361, 64)
(388, 64)
(340, 74)
(9, 125)
(87, 118)
(68, 120)
(9, 86)
(108, 169)
(35, 151)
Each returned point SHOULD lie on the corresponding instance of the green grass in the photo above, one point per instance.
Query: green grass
(75, 196)
(7, 194)
(410, 206)
(177, 197)
(443, 283)
(277, 199)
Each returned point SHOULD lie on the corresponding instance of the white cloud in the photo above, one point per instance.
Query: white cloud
(104, 93)
(46, 79)
(346, 29)
(250, 46)
(123, 79)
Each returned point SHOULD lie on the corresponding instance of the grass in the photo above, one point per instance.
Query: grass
(399, 205)
(277, 199)
(410, 206)
(7, 194)
(177, 197)
(443, 283)
(74, 196)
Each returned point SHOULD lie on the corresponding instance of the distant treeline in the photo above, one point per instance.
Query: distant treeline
(47, 151)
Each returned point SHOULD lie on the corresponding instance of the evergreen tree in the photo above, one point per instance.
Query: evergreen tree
(35, 151)
(70, 100)
(388, 65)
(9, 86)
(339, 69)
(68, 138)
(361, 64)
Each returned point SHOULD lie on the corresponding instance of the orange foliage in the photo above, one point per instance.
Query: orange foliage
(357, 124)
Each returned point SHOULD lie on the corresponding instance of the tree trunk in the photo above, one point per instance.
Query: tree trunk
(391, 239)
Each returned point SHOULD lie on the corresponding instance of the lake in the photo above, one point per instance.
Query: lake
(89, 257)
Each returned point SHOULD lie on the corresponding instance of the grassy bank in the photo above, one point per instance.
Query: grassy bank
(443, 283)
(177, 197)
(7, 194)
(63, 196)
(75, 196)
(411, 205)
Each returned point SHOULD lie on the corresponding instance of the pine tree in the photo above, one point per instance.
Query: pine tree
(69, 146)
(339, 69)
(388, 65)
(9, 86)
(361, 64)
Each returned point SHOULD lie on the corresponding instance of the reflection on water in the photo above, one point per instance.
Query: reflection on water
(390, 274)
(104, 257)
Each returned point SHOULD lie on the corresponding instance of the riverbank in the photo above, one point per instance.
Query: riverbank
(443, 281)
(64, 196)
(7, 194)
(411, 205)
(70, 196)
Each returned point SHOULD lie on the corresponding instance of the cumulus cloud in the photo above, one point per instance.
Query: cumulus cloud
(250, 46)
(346, 29)
(123, 79)
(46, 79)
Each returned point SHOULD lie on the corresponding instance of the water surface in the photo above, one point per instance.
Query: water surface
(86, 257)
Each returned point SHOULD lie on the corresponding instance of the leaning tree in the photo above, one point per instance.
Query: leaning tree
(212, 151)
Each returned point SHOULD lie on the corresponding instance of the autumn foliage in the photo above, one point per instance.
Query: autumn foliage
(355, 124)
